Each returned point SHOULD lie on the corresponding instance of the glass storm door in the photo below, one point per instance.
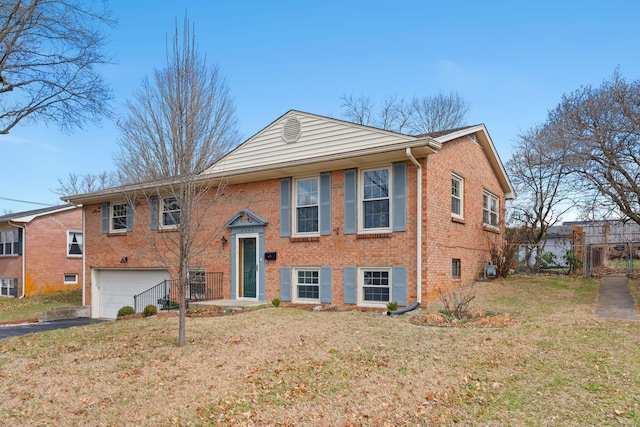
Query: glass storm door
(248, 266)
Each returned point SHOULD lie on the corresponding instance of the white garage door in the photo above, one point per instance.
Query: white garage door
(116, 288)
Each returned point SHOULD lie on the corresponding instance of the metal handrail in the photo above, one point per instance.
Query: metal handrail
(165, 295)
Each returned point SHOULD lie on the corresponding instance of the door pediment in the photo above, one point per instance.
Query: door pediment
(246, 218)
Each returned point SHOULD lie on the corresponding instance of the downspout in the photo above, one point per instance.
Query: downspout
(24, 266)
(418, 225)
(84, 248)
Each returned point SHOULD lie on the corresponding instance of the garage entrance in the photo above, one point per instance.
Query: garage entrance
(113, 289)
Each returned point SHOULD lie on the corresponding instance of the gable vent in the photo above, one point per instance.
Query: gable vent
(291, 130)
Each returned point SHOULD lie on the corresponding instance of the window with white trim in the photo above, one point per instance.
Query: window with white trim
(74, 243)
(490, 204)
(374, 286)
(170, 212)
(8, 241)
(456, 271)
(70, 278)
(8, 287)
(457, 196)
(375, 196)
(119, 213)
(306, 285)
(306, 209)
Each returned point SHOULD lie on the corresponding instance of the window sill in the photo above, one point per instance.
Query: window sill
(490, 228)
(374, 236)
(458, 220)
(304, 239)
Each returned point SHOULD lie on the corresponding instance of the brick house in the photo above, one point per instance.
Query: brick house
(41, 251)
(315, 210)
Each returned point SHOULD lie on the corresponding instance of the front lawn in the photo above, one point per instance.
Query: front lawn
(558, 364)
(32, 307)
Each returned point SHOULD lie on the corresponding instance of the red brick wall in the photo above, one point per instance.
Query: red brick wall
(444, 238)
(46, 253)
(262, 198)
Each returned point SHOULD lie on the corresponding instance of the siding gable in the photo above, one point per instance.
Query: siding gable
(320, 137)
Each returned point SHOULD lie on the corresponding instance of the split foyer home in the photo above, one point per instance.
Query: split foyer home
(313, 210)
(41, 251)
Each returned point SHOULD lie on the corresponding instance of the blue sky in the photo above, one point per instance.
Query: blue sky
(511, 61)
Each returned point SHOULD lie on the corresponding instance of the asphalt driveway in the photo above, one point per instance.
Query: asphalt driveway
(7, 331)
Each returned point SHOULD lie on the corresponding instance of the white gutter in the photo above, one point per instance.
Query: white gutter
(418, 226)
(24, 267)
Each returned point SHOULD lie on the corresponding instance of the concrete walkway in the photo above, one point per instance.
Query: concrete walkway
(615, 300)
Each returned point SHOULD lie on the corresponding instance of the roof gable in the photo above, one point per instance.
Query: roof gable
(303, 138)
(480, 134)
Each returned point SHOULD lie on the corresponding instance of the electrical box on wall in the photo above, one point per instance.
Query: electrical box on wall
(270, 255)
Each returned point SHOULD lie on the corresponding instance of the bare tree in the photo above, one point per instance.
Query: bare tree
(178, 124)
(438, 112)
(358, 110)
(415, 116)
(88, 183)
(48, 62)
(540, 171)
(601, 127)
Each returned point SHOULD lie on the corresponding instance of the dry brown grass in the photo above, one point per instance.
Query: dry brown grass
(557, 364)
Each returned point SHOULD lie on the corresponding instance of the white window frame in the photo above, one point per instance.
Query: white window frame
(460, 196)
(70, 234)
(489, 209)
(362, 200)
(6, 287)
(112, 217)
(163, 211)
(296, 206)
(361, 285)
(456, 266)
(73, 281)
(296, 283)
(5, 240)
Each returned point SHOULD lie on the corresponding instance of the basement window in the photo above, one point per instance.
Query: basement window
(70, 279)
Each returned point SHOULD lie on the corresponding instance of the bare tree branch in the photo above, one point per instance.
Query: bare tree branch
(416, 116)
(48, 62)
(601, 127)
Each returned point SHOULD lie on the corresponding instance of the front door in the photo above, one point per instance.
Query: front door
(247, 266)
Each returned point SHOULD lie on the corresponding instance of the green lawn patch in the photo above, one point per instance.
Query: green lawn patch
(12, 309)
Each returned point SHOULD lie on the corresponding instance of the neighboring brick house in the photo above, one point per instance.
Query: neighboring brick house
(41, 251)
(316, 211)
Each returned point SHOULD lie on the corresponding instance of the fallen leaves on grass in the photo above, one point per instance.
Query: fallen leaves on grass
(474, 319)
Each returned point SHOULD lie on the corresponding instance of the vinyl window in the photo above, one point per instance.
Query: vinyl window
(457, 196)
(375, 200)
(119, 214)
(74, 243)
(307, 285)
(490, 203)
(375, 286)
(9, 241)
(170, 212)
(306, 209)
